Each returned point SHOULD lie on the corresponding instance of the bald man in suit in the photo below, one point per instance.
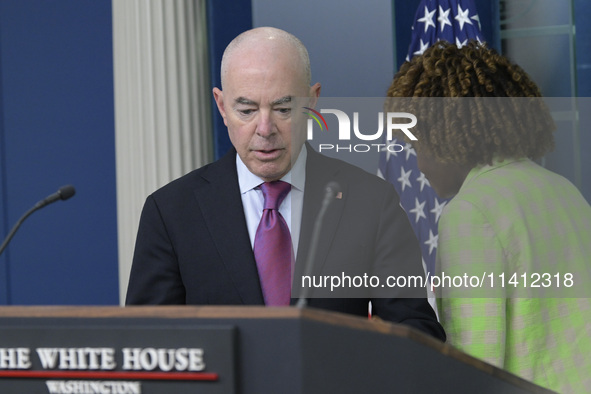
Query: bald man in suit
(196, 235)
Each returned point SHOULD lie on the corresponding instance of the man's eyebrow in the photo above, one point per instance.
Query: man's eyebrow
(244, 101)
(282, 100)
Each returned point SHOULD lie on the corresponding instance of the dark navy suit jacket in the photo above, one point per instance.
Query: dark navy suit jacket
(193, 245)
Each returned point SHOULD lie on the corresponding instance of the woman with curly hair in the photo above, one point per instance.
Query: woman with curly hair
(481, 124)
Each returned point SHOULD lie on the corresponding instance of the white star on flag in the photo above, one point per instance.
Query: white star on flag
(387, 151)
(443, 18)
(432, 241)
(461, 44)
(422, 179)
(477, 19)
(463, 17)
(437, 209)
(423, 48)
(419, 210)
(409, 150)
(427, 19)
(404, 178)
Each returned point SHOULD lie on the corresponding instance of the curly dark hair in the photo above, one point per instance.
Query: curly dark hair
(492, 109)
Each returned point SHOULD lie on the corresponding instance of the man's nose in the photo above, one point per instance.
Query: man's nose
(265, 125)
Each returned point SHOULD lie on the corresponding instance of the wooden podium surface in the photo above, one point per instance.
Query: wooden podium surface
(291, 350)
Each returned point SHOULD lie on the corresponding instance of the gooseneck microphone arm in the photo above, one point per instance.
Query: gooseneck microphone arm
(331, 191)
(63, 193)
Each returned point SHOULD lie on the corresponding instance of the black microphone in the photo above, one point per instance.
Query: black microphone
(63, 193)
(332, 189)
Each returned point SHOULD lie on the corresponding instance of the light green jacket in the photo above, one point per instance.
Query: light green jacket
(525, 233)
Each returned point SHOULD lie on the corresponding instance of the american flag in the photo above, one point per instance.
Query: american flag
(455, 21)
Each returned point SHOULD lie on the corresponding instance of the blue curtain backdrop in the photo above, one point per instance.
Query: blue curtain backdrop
(57, 128)
(226, 19)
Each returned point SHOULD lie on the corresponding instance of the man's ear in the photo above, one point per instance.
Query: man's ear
(314, 94)
(218, 96)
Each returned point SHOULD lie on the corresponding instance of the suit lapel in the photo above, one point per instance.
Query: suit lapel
(221, 206)
(319, 172)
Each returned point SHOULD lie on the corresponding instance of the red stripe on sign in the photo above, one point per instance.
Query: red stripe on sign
(203, 376)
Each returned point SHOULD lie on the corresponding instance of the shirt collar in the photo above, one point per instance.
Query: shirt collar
(478, 170)
(296, 175)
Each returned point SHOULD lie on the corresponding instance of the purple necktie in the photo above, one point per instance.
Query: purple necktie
(272, 247)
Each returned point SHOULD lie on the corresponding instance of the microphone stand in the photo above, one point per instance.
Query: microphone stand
(63, 193)
(332, 190)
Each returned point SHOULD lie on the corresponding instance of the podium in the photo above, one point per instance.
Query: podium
(178, 349)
